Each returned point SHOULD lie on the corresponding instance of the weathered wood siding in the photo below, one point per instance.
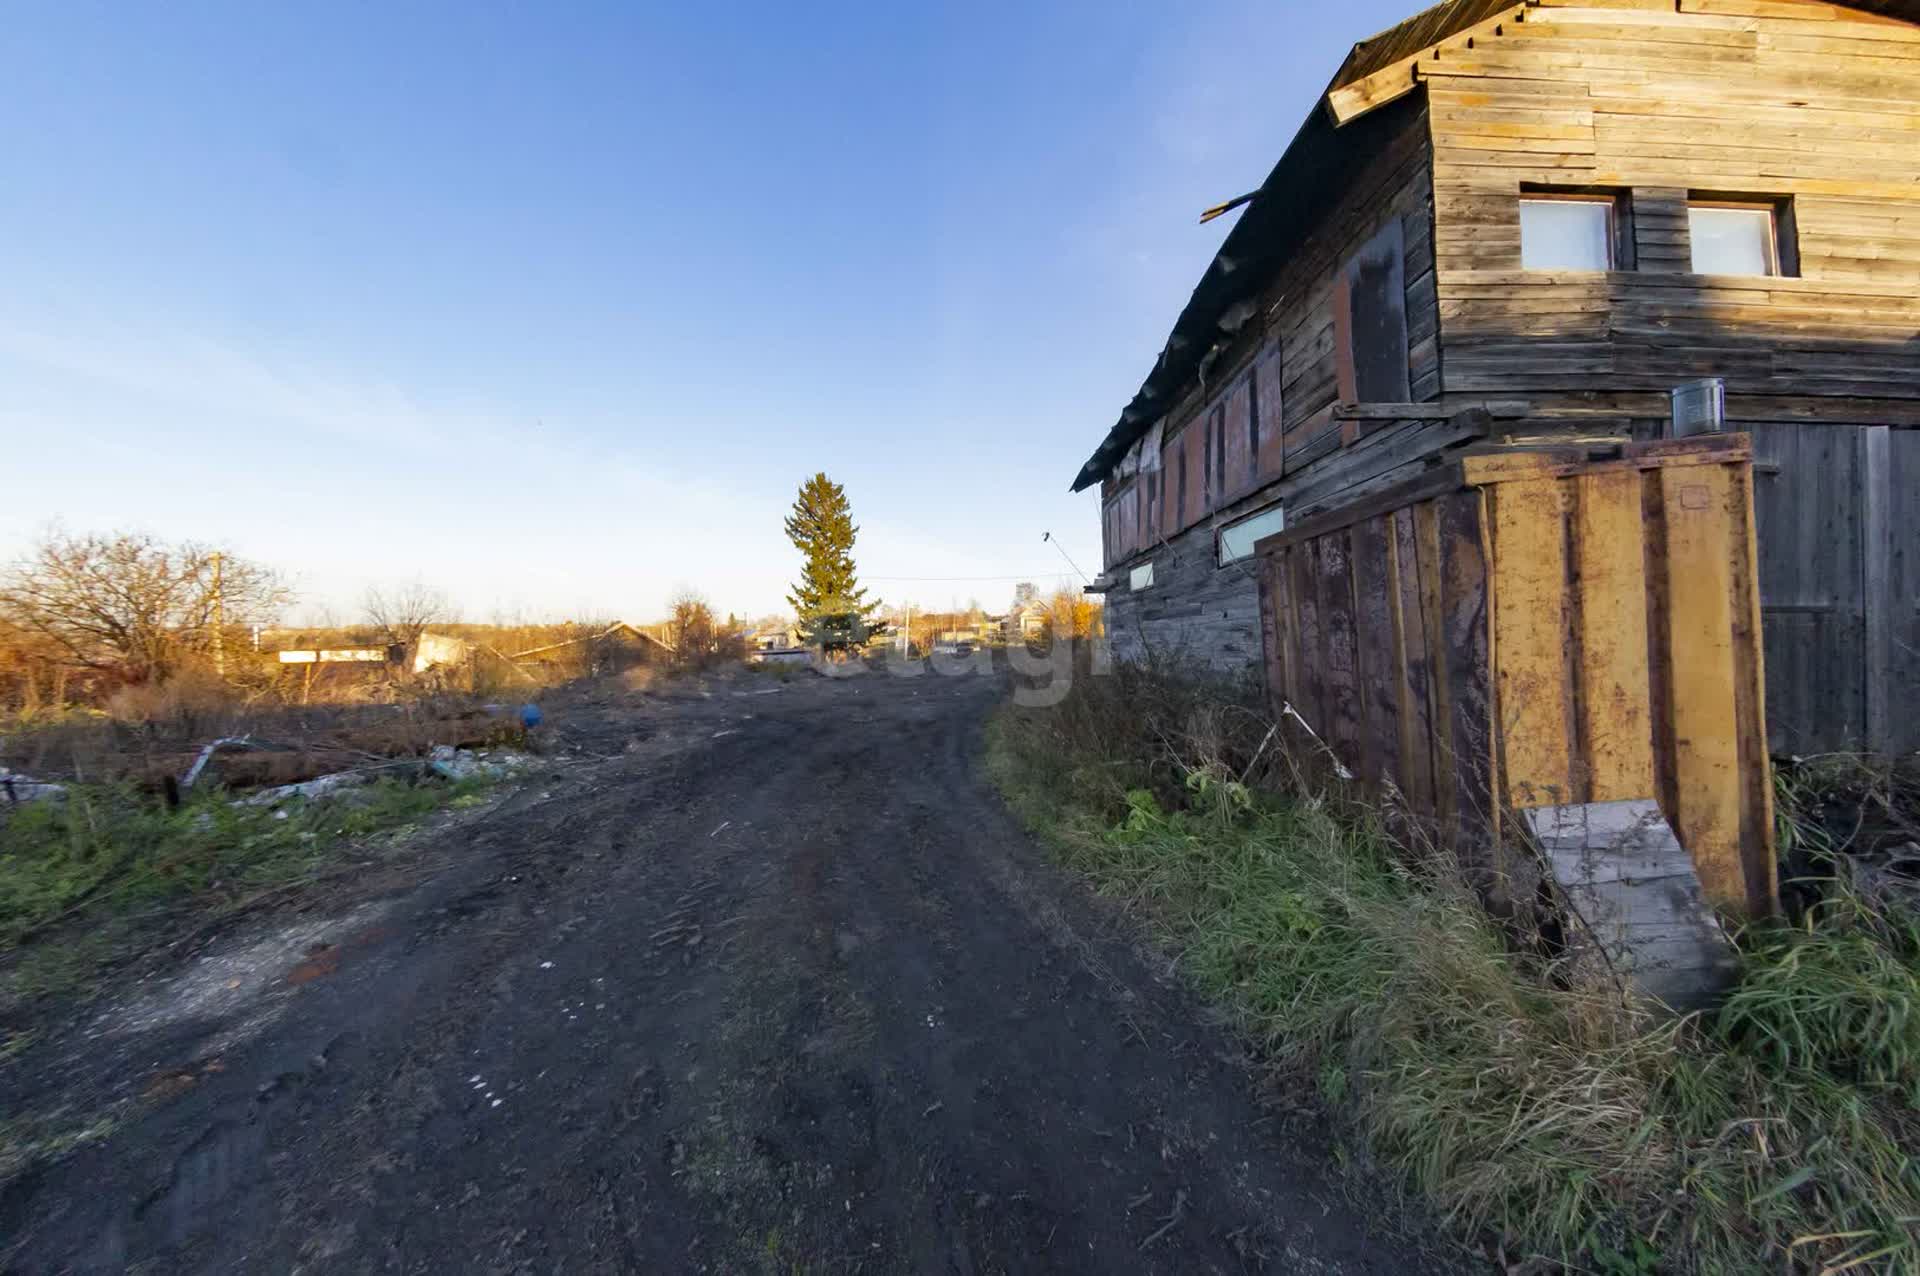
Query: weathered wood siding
(1662, 102)
(1266, 410)
(1840, 585)
(1754, 98)
(1210, 614)
(1194, 612)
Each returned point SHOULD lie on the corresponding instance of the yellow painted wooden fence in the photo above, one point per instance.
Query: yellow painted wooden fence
(1534, 628)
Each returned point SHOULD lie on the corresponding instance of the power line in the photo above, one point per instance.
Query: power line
(1051, 571)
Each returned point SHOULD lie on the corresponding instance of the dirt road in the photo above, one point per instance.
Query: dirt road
(774, 984)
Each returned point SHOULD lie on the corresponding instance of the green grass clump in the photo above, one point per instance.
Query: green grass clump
(1776, 1134)
(83, 877)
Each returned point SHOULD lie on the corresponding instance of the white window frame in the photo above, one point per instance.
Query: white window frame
(1768, 209)
(1141, 577)
(1609, 205)
(1220, 541)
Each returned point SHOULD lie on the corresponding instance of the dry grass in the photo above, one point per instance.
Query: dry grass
(1549, 1121)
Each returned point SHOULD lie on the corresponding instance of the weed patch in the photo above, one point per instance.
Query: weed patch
(1778, 1133)
(84, 881)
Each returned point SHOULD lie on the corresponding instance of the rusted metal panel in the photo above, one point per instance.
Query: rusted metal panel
(1529, 629)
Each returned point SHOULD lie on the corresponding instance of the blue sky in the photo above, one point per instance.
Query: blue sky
(554, 306)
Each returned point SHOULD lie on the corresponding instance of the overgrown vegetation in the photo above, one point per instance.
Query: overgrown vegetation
(1550, 1120)
(88, 879)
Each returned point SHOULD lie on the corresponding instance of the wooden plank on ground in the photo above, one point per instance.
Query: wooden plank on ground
(1635, 898)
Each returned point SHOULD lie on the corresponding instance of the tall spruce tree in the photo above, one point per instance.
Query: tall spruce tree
(831, 606)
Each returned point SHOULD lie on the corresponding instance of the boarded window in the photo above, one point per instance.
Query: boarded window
(1140, 577)
(1217, 457)
(1567, 233)
(1238, 539)
(1734, 239)
(1370, 321)
(1266, 376)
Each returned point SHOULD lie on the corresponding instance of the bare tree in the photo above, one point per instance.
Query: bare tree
(693, 628)
(129, 602)
(402, 615)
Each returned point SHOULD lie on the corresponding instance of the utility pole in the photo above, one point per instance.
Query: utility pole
(219, 621)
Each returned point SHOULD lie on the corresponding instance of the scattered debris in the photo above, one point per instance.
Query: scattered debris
(717, 832)
(1883, 876)
(461, 764)
(325, 786)
(1171, 1219)
(206, 755)
(19, 788)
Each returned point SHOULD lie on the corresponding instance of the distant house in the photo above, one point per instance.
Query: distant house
(776, 646)
(1026, 622)
(774, 639)
(1509, 224)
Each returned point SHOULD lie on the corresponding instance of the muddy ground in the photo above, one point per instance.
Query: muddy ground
(762, 979)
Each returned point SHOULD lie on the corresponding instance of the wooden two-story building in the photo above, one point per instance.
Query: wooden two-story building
(1512, 222)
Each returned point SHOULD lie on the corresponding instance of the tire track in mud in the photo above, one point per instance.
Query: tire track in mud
(800, 997)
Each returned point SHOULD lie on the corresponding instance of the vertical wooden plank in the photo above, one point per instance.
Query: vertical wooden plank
(1531, 626)
(1212, 445)
(1903, 571)
(1376, 651)
(1659, 672)
(1236, 445)
(1272, 453)
(1252, 458)
(1410, 662)
(1310, 698)
(1614, 737)
(1346, 384)
(1876, 603)
(1429, 570)
(1783, 631)
(1273, 660)
(1342, 728)
(1466, 613)
(1707, 787)
(1755, 766)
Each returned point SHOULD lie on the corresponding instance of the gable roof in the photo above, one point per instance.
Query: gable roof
(1280, 213)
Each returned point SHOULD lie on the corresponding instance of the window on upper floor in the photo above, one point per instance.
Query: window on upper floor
(1740, 237)
(1370, 321)
(1572, 230)
(1238, 539)
(1140, 577)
